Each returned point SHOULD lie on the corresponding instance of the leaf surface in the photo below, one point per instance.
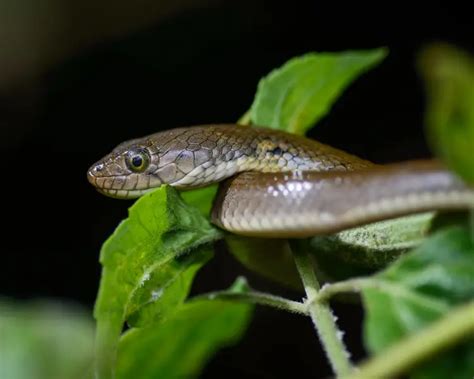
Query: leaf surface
(419, 288)
(181, 345)
(297, 95)
(148, 266)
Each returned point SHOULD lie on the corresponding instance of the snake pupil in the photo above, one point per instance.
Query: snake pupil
(137, 161)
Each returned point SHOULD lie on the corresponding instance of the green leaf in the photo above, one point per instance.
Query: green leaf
(449, 78)
(44, 340)
(419, 288)
(171, 282)
(301, 92)
(148, 266)
(201, 198)
(271, 258)
(180, 346)
(359, 251)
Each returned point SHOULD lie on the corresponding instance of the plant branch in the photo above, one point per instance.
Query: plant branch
(352, 285)
(323, 319)
(456, 326)
(260, 298)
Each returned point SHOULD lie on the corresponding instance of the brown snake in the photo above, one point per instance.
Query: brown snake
(287, 186)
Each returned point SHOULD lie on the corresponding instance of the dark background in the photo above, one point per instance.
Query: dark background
(197, 65)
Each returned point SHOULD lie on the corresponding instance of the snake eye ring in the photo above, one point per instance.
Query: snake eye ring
(137, 160)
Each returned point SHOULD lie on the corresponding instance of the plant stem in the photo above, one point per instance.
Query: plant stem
(351, 285)
(260, 298)
(323, 319)
(457, 325)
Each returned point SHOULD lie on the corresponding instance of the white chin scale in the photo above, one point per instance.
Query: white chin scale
(125, 194)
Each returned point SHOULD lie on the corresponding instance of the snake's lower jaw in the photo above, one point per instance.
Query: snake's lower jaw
(123, 194)
(100, 182)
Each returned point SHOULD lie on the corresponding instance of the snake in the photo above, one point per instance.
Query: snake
(277, 184)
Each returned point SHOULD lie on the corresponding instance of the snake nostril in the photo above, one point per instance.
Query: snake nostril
(95, 172)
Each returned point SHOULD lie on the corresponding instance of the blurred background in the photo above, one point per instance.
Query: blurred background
(77, 78)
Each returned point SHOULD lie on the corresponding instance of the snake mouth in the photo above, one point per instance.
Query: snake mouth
(123, 194)
(113, 192)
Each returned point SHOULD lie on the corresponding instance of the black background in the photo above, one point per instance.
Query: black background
(201, 66)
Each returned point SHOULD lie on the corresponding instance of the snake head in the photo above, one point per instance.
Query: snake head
(128, 171)
(179, 157)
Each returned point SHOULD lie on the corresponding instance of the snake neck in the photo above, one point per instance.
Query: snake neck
(265, 150)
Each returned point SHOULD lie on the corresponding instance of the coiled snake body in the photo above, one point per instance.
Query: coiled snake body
(281, 185)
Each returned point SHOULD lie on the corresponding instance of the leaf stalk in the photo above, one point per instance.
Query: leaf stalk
(456, 326)
(322, 316)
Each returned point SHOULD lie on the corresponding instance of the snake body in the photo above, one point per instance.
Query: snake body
(281, 185)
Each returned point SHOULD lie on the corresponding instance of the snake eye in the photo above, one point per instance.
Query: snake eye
(138, 160)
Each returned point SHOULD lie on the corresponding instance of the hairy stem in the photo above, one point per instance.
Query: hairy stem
(351, 285)
(456, 326)
(260, 298)
(323, 319)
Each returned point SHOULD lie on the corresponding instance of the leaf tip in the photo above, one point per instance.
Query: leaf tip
(240, 285)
